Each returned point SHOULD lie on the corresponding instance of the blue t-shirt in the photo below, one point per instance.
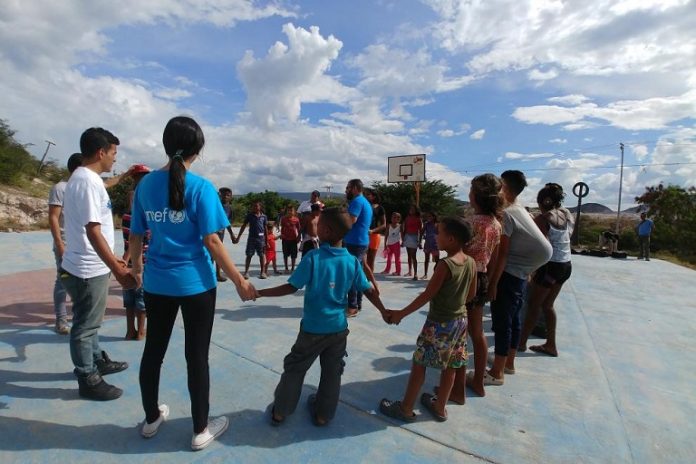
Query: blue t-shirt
(360, 208)
(178, 263)
(645, 227)
(257, 226)
(328, 273)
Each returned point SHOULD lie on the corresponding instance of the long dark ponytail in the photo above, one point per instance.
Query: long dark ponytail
(182, 139)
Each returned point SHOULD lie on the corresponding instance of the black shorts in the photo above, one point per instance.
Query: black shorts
(309, 245)
(551, 274)
(481, 297)
(290, 248)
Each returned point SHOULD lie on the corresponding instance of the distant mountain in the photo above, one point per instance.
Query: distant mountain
(596, 208)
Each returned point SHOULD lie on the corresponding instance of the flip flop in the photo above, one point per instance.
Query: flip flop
(393, 410)
(428, 401)
(541, 349)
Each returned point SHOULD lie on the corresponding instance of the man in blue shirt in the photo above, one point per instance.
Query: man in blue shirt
(357, 239)
(326, 274)
(644, 229)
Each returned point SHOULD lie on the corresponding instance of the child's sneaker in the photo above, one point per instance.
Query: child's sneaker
(215, 428)
(149, 430)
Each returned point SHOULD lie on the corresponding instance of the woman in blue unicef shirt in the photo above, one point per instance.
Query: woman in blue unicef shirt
(184, 213)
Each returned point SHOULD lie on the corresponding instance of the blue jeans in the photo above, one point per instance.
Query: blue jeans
(59, 294)
(505, 312)
(89, 303)
(354, 296)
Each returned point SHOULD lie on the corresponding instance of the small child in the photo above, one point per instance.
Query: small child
(392, 245)
(290, 236)
(442, 341)
(413, 227)
(327, 273)
(256, 243)
(271, 248)
(429, 237)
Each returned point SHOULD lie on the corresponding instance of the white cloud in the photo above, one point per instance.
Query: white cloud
(291, 74)
(558, 140)
(570, 100)
(582, 38)
(652, 113)
(478, 135)
(527, 157)
(538, 75)
(640, 151)
(390, 72)
(446, 133)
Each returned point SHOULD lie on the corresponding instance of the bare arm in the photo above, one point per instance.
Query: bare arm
(280, 290)
(101, 247)
(54, 223)
(472, 286)
(441, 274)
(498, 266)
(214, 245)
(135, 250)
(241, 231)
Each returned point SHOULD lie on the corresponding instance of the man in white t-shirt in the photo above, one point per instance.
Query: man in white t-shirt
(88, 262)
(523, 249)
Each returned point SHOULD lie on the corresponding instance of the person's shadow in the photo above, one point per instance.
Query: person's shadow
(258, 311)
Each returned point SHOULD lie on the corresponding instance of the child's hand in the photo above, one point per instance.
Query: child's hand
(246, 291)
(386, 316)
(395, 317)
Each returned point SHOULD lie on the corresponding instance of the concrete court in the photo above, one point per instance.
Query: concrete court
(622, 389)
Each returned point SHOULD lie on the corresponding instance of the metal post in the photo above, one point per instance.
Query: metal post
(44, 156)
(618, 213)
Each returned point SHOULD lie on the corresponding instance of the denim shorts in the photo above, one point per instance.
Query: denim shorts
(255, 246)
(133, 298)
(552, 273)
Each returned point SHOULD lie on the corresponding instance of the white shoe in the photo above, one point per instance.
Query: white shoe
(149, 430)
(488, 379)
(215, 428)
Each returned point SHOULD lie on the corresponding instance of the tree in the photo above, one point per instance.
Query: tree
(673, 210)
(272, 204)
(435, 196)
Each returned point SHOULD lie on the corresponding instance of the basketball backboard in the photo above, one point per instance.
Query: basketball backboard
(407, 168)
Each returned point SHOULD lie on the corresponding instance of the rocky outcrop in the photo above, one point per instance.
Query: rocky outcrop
(19, 211)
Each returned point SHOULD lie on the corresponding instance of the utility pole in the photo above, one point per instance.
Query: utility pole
(618, 213)
(328, 191)
(44, 156)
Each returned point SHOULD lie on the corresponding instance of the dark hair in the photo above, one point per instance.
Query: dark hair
(338, 221)
(432, 213)
(356, 183)
(550, 196)
(377, 198)
(223, 190)
(74, 162)
(515, 180)
(457, 227)
(486, 192)
(418, 210)
(316, 192)
(94, 139)
(182, 139)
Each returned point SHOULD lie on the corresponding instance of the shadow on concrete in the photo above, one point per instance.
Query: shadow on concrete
(260, 312)
(10, 380)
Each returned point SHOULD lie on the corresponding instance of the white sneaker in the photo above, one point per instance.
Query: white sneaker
(149, 430)
(215, 428)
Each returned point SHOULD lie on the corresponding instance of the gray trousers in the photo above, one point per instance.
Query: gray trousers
(89, 304)
(330, 349)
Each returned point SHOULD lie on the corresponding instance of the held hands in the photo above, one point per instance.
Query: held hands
(391, 316)
(246, 291)
(124, 277)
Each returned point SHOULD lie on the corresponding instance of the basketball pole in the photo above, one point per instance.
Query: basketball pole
(417, 187)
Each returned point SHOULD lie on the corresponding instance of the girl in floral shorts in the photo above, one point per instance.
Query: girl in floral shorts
(442, 342)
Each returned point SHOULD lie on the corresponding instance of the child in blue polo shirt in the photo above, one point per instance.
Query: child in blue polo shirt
(327, 273)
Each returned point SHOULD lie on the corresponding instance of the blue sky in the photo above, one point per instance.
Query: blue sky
(294, 96)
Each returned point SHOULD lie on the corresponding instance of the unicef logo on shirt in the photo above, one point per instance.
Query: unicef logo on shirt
(176, 217)
(173, 216)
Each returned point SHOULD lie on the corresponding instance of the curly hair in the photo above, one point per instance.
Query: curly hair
(550, 196)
